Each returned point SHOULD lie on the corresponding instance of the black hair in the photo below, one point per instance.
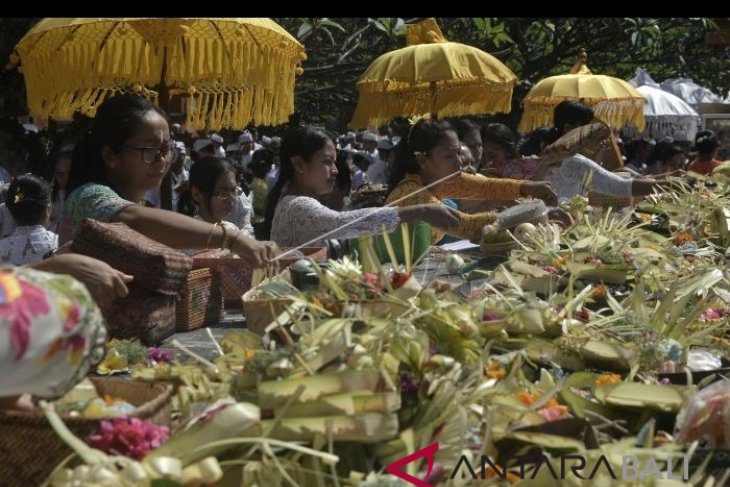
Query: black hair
(28, 199)
(204, 175)
(63, 152)
(423, 137)
(572, 112)
(501, 135)
(259, 169)
(464, 126)
(301, 141)
(706, 142)
(537, 140)
(117, 119)
(344, 178)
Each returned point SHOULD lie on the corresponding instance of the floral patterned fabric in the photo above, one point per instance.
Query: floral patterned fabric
(27, 245)
(91, 200)
(464, 186)
(52, 331)
(299, 219)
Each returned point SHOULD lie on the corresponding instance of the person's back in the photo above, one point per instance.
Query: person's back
(29, 202)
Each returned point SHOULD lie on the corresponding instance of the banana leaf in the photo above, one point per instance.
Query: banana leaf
(667, 398)
(608, 355)
(363, 428)
(275, 393)
(344, 404)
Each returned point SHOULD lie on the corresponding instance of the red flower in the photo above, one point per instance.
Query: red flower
(130, 437)
(398, 279)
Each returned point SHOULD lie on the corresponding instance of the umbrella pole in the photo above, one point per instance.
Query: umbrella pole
(163, 98)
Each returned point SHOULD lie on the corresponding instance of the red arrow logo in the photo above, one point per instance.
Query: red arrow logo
(428, 452)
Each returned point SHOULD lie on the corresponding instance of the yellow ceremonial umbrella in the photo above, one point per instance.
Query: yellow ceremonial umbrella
(233, 70)
(435, 76)
(614, 100)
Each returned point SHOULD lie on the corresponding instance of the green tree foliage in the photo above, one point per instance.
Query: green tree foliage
(340, 49)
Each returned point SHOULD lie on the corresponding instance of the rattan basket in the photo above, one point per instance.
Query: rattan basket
(200, 303)
(30, 449)
(235, 274)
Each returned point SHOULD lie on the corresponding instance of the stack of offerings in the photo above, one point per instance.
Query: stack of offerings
(160, 273)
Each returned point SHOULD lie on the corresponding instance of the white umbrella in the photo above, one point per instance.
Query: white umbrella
(690, 91)
(667, 115)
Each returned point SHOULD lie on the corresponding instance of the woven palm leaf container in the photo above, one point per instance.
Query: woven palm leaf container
(30, 449)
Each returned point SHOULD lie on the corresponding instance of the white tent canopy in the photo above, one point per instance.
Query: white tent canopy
(666, 115)
(690, 91)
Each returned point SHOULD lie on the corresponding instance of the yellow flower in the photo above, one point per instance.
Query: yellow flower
(495, 370)
(604, 379)
(599, 291)
(18, 197)
(526, 398)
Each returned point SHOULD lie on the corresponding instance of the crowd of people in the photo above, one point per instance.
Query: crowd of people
(294, 190)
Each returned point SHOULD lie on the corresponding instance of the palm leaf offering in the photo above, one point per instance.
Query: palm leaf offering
(559, 350)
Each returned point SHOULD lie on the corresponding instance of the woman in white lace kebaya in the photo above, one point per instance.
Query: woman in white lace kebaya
(294, 217)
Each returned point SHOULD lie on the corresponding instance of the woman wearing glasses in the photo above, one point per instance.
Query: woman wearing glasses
(214, 193)
(125, 154)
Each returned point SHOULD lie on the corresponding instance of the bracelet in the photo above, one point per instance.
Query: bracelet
(210, 236)
(233, 239)
(225, 237)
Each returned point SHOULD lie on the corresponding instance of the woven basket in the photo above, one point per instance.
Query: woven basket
(605, 201)
(30, 449)
(498, 248)
(154, 266)
(235, 274)
(143, 314)
(260, 313)
(200, 303)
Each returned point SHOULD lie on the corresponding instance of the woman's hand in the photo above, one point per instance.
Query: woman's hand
(256, 254)
(104, 283)
(540, 190)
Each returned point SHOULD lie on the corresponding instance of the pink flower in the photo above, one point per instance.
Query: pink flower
(552, 413)
(130, 437)
(159, 356)
(550, 269)
(711, 314)
(491, 317)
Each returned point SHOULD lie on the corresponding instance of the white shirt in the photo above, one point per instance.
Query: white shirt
(27, 244)
(272, 176)
(376, 172)
(241, 214)
(7, 222)
(299, 219)
(358, 179)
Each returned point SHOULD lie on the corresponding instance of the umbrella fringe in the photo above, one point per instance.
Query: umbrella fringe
(616, 112)
(64, 70)
(677, 127)
(445, 101)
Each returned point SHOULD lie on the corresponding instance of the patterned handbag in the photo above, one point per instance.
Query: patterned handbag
(154, 266)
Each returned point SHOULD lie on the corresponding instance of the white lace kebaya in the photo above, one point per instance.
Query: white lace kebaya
(299, 219)
(568, 179)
